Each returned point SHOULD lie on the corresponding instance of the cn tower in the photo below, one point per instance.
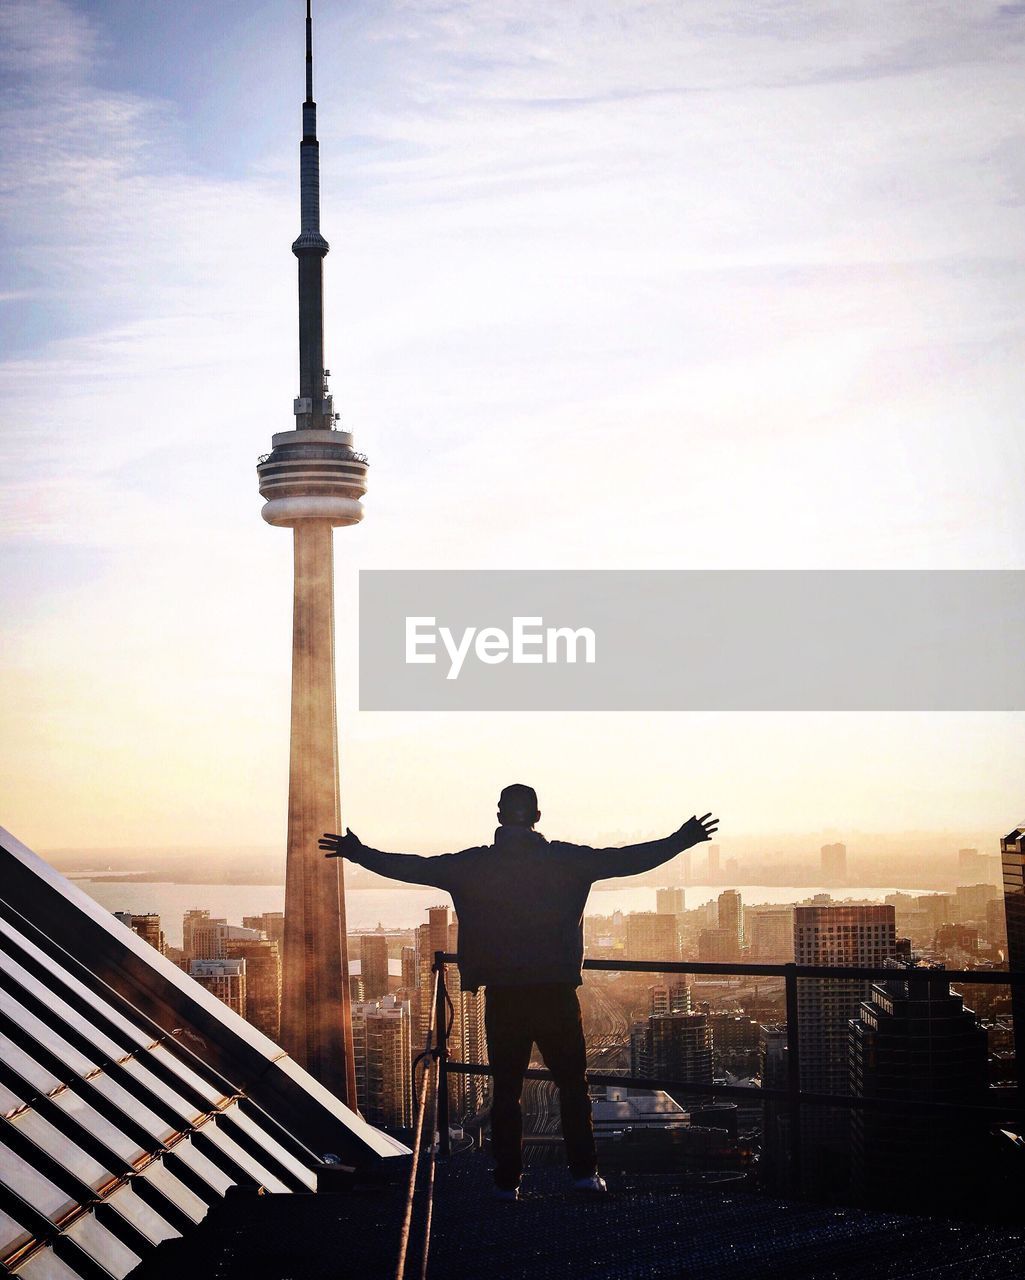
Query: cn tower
(312, 482)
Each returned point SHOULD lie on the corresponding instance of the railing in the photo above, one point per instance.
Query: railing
(793, 1096)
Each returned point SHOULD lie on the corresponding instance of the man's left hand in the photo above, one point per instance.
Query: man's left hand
(340, 846)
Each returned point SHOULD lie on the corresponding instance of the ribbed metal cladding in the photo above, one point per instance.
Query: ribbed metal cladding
(311, 327)
(309, 185)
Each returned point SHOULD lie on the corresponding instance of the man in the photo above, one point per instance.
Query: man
(520, 905)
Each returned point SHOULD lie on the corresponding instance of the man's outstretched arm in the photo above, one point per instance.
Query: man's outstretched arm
(603, 864)
(412, 868)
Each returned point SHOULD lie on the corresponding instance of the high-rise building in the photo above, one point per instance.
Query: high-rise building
(844, 936)
(373, 965)
(409, 969)
(193, 917)
(313, 481)
(731, 915)
(769, 932)
(225, 978)
(430, 937)
(674, 1046)
(776, 1119)
(669, 997)
(975, 867)
(671, 901)
(734, 1043)
(210, 938)
(147, 926)
(684, 862)
(996, 924)
(1012, 856)
(475, 1046)
(957, 939)
(834, 863)
(272, 923)
(263, 980)
(382, 1050)
(713, 864)
(651, 936)
(718, 946)
(972, 901)
(914, 1041)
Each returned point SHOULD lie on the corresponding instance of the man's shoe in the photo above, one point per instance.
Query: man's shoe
(595, 1183)
(506, 1193)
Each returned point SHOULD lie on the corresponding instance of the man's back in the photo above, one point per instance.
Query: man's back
(520, 905)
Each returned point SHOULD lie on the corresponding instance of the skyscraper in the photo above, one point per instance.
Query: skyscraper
(669, 997)
(674, 1046)
(312, 482)
(147, 926)
(272, 923)
(671, 901)
(772, 1052)
(225, 978)
(769, 932)
(409, 970)
(263, 981)
(731, 916)
(848, 936)
(193, 917)
(430, 937)
(915, 1041)
(210, 938)
(651, 936)
(383, 1058)
(834, 863)
(1012, 856)
(373, 965)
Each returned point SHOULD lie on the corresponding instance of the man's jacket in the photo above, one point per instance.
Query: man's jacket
(520, 902)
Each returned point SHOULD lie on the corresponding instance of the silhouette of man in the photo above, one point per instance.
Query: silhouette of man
(520, 906)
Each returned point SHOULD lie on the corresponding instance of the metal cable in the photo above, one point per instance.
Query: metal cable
(430, 1170)
(407, 1217)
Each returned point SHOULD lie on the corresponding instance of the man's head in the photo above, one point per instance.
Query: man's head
(517, 806)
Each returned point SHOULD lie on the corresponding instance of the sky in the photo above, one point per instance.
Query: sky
(622, 284)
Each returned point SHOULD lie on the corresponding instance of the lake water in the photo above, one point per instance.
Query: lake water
(399, 908)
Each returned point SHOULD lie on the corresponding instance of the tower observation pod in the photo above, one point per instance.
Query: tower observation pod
(312, 482)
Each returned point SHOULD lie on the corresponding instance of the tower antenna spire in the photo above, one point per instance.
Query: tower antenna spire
(309, 50)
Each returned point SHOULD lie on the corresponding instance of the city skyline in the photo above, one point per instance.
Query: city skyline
(550, 237)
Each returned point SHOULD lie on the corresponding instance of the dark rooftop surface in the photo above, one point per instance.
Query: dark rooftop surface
(646, 1227)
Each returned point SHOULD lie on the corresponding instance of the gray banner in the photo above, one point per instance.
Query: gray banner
(665, 640)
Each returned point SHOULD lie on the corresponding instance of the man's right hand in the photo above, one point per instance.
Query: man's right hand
(695, 830)
(340, 846)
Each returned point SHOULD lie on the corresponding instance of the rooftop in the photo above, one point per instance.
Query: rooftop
(647, 1227)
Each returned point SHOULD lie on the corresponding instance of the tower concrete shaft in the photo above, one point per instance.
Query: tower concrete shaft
(315, 1011)
(312, 482)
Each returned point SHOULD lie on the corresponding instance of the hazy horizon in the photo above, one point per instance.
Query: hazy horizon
(770, 846)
